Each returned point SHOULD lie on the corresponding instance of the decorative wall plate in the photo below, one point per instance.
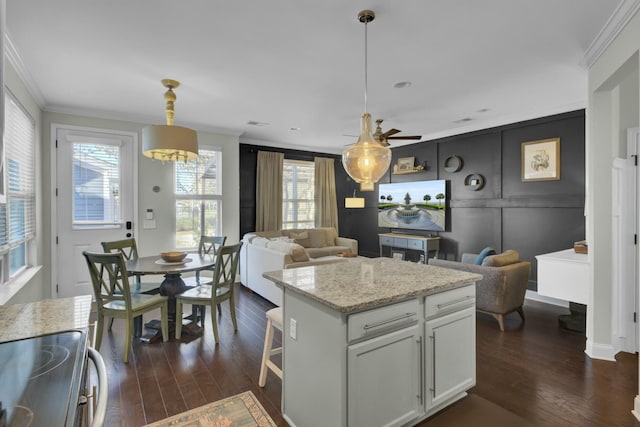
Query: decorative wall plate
(474, 182)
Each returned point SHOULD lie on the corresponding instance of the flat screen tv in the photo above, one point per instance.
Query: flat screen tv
(416, 205)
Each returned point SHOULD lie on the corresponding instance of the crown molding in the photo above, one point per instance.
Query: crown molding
(14, 58)
(616, 23)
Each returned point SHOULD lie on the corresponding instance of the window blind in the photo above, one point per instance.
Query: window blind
(298, 188)
(198, 198)
(17, 216)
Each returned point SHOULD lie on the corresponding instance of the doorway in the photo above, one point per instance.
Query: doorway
(94, 198)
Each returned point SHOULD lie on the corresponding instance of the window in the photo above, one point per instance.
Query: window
(17, 186)
(96, 184)
(198, 193)
(298, 206)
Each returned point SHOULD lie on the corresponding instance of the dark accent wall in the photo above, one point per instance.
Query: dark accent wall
(507, 213)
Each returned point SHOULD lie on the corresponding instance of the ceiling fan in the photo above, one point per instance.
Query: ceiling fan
(383, 137)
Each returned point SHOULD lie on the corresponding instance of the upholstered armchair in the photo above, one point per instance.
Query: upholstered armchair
(504, 282)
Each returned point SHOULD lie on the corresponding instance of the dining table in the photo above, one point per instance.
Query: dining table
(172, 284)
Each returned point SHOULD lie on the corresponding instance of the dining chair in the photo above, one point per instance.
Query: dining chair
(129, 251)
(221, 289)
(114, 297)
(209, 245)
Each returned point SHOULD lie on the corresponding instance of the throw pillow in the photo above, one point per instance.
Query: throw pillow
(301, 238)
(505, 258)
(297, 252)
(483, 254)
(317, 238)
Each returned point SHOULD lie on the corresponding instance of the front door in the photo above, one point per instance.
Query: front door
(96, 189)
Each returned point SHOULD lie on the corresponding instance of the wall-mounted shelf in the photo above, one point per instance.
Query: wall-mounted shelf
(417, 169)
(453, 164)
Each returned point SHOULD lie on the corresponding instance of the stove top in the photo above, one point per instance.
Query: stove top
(41, 378)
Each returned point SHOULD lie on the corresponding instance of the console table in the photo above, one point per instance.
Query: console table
(408, 241)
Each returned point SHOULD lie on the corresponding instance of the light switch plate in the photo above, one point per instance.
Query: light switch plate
(149, 224)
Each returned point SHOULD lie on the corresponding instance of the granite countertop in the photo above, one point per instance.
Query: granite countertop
(44, 317)
(365, 283)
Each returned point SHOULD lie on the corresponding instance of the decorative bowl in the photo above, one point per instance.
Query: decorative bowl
(174, 256)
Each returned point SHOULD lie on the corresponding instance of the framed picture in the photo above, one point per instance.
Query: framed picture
(397, 255)
(405, 164)
(541, 160)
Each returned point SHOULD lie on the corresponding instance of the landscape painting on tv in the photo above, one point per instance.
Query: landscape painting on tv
(413, 205)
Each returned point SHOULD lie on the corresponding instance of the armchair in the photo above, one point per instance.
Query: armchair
(504, 282)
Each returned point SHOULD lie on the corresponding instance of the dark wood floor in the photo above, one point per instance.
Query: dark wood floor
(536, 371)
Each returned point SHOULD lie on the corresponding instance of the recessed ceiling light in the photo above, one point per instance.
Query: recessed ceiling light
(402, 85)
(254, 123)
(295, 129)
(466, 119)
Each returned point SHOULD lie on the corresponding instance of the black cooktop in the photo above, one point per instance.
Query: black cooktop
(41, 379)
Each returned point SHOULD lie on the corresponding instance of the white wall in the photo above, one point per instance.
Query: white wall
(613, 106)
(152, 173)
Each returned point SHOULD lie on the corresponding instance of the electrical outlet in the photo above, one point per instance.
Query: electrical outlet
(293, 328)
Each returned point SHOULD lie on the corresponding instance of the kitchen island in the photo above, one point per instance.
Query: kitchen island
(375, 342)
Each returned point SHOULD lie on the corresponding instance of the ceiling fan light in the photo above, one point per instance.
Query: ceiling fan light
(366, 161)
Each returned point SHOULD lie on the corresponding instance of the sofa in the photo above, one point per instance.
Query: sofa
(283, 249)
(504, 281)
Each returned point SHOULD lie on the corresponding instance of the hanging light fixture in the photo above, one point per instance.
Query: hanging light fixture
(366, 161)
(169, 142)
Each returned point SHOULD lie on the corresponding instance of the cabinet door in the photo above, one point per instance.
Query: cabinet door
(385, 380)
(450, 355)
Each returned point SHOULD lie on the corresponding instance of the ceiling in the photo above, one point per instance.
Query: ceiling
(300, 64)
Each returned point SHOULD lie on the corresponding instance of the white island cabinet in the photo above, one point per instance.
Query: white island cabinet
(375, 342)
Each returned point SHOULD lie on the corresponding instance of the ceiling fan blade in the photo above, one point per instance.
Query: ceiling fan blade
(406, 137)
(390, 132)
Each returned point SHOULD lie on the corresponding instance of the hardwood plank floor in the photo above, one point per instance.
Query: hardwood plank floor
(535, 370)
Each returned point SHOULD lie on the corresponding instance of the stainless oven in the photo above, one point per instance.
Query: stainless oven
(43, 380)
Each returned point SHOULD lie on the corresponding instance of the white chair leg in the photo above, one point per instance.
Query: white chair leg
(266, 352)
(274, 321)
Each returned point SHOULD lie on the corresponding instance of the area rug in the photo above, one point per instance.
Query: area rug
(241, 410)
(475, 411)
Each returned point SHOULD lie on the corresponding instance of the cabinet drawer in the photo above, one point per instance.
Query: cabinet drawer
(416, 244)
(386, 240)
(399, 242)
(382, 320)
(449, 301)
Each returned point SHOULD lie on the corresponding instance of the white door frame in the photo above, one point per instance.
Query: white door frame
(625, 253)
(54, 184)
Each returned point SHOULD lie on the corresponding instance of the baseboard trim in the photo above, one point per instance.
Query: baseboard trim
(534, 296)
(600, 351)
(636, 407)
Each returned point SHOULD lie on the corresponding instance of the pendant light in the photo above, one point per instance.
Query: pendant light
(169, 142)
(367, 160)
